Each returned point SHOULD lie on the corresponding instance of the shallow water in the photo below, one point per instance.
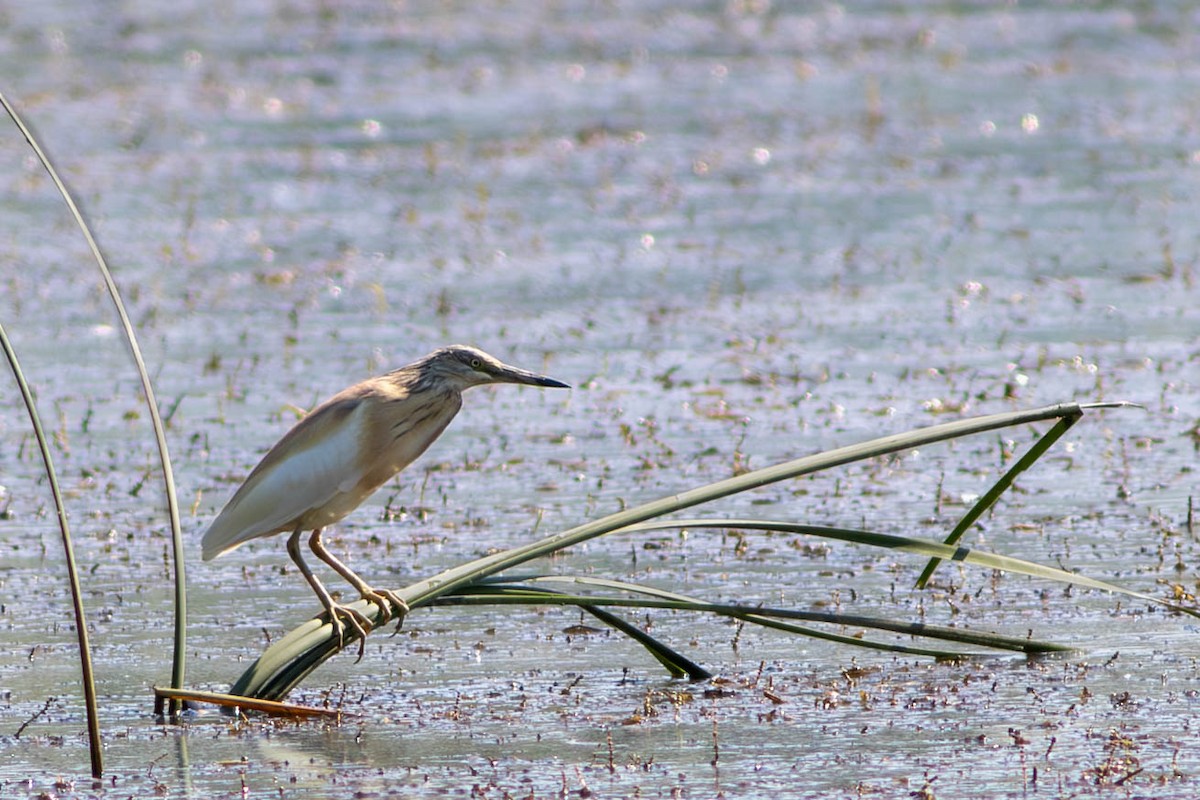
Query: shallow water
(743, 232)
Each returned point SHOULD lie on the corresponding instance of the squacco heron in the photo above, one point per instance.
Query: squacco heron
(348, 447)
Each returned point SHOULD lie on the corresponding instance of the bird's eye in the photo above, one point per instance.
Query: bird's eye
(476, 363)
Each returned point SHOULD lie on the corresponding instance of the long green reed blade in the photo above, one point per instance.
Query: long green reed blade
(767, 616)
(693, 604)
(291, 658)
(921, 547)
(1000, 487)
(95, 744)
(180, 649)
(448, 580)
(677, 664)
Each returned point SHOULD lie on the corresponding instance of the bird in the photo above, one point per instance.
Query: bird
(338, 455)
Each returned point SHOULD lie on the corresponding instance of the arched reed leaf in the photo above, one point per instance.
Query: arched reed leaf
(180, 649)
(95, 745)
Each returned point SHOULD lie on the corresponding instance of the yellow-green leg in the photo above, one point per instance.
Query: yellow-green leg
(384, 599)
(337, 612)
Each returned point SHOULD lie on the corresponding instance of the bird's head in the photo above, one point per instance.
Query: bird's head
(460, 367)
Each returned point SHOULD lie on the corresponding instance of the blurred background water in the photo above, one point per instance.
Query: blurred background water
(744, 232)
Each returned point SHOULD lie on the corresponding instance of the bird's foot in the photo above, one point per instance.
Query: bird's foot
(357, 620)
(388, 602)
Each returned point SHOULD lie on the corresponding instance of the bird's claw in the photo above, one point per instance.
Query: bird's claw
(387, 601)
(358, 621)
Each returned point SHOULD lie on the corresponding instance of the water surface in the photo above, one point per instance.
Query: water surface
(744, 232)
